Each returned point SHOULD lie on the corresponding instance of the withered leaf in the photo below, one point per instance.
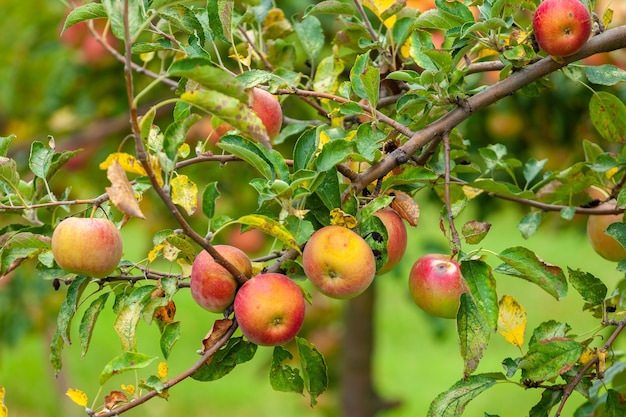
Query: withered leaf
(406, 207)
(121, 192)
(220, 327)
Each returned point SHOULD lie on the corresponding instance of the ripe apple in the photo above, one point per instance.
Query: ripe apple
(270, 309)
(267, 107)
(436, 285)
(603, 244)
(396, 238)
(87, 246)
(250, 241)
(338, 262)
(212, 286)
(561, 27)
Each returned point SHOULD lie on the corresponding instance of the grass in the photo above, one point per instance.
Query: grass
(417, 357)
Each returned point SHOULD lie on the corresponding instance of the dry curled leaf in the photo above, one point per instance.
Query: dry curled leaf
(114, 398)
(340, 218)
(220, 327)
(406, 207)
(166, 313)
(121, 192)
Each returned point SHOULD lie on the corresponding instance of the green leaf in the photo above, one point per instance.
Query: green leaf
(327, 74)
(371, 82)
(608, 115)
(473, 331)
(236, 352)
(369, 140)
(550, 358)
(330, 7)
(169, 336)
(88, 321)
(591, 288)
(529, 224)
(314, 369)
(304, 150)
(359, 67)
(205, 73)
(375, 234)
(328, 191)
(410, 175)
(5, 143)
(84, 12)
(231, 111)
(40, 159)
(482, 285)
(183, 18)
(549, 399)
(56, 348)
(128, 318)
(604, 74)
(247, 151)
(23, 245)
(69, 307)
(283, 377)
(532, 168)
(335, 152)
(452, 402)
(311, 35)
(209, 197)
(617, 231)
(126, 361)
(550, 329)
(216, 12)
(615, 403)
(115, 11)
(474, 231)
(525, 264)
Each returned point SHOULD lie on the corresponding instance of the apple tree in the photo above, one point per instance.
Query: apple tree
(343, 111)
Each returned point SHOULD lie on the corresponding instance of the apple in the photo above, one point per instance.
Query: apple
(250, 241)
(605, 245)
(561, 27)
(87, 246)
(396, 238)
(212, 286)
(436, 285)
(338, 262)
(269, 309)
(267, 107)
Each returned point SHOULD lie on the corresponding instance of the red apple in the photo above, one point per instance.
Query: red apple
(267, 107)
(396, 238)
(436, 285)
(212, 286)
(250, 241)
(561, 27)
(270, 309)
(338, 262)
(87, 246)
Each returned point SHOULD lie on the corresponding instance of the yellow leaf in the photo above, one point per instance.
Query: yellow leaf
(270, 227)
(609, 174)
(587, 355)
(512, 321)
(77, 396)
(154, 252)
(128, 162)
(130, 389)
(378, 7)
(4, 411)
(471, 192)
(185, 193)
(162, 370)
(339, 218)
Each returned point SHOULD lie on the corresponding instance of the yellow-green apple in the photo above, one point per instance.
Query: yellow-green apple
(436, 285)
(267, 107)
(605, 245)
(270, 309)
(561, 27)
(338, 262)
(396, 238)
(87, 246)
(212, 286)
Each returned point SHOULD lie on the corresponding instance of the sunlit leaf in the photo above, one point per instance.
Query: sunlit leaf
(512, 321)
(126, 361)
(78, 396)
(202, 71)
(271, 227)
(523, 263)
(185, 193)
(115, 13)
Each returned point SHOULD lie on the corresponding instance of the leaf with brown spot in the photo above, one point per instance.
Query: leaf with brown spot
(220, 327)
(406, 207)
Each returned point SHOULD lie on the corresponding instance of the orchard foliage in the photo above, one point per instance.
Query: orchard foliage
(386, 86)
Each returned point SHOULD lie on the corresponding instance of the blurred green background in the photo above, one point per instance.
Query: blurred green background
(54, 88)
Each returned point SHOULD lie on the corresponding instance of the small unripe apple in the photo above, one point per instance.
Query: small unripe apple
(338, 262)
(270, 309)
(267, 107)
(396, 238)
(87, 246)
(212, 286)
(561, 27)
(436, 285)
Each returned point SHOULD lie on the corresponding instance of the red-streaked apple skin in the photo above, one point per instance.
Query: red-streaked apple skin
(561, 27)
(436, 285)
(397, 238)
(338, 262)
(270, 309)
(212, 286)
(87, 246)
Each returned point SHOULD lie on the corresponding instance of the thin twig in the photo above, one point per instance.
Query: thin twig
(454, 235)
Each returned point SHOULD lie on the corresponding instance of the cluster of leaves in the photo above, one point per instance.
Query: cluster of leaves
(386, 104)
